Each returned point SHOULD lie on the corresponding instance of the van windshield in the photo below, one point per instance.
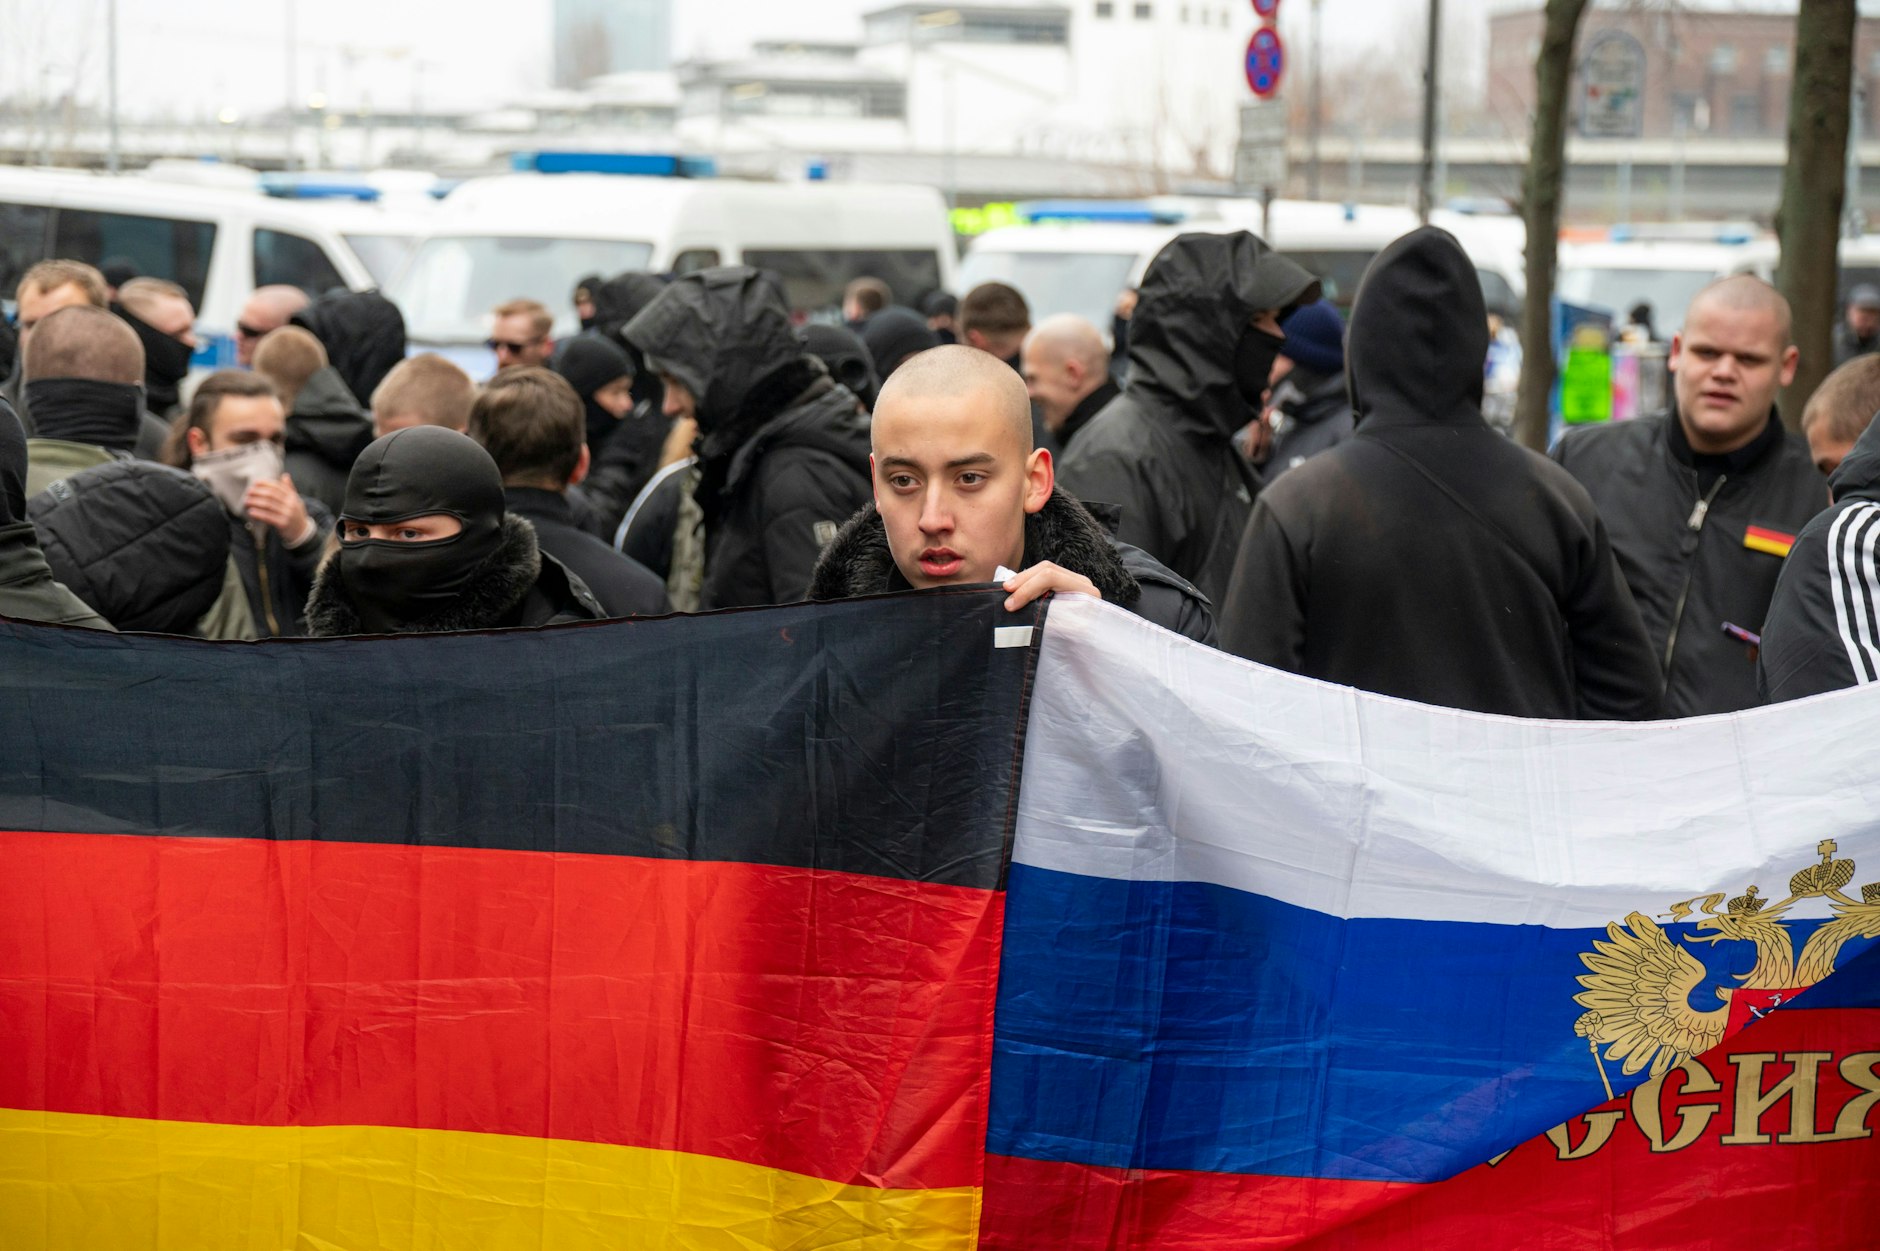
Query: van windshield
(452, 283)
(1616, 290)
(1085, 283)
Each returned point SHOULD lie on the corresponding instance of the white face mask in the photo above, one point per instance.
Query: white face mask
(231, 472)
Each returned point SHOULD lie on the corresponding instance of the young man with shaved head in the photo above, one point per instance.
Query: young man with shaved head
(960, 491)
(1066, 365)
(1704, 502)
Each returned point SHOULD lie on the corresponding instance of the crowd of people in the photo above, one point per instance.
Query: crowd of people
(1232, 461)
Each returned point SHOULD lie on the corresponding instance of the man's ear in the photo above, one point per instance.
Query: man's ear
(977, 338)
(1040, 479)
(874, 482)
(1791, 358)
(1075, 371)
(581, 467)
(197, 440)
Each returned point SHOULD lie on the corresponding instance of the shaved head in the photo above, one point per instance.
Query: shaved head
(84, 342)
(288, 357)
(959, 372)
(1066, 335)
(1746, 293)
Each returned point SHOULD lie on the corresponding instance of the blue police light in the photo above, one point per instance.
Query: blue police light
(645, 164)
(315, 187)
(1113, 211)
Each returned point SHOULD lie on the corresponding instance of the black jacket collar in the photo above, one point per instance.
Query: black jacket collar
(1087, 408)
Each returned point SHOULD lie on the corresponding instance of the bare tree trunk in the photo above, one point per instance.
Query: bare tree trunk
(1813, 187)
(1540, 206)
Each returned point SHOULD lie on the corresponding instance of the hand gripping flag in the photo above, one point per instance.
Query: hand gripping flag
(679, 933)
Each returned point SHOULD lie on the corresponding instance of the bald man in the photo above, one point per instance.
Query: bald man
(1066, 365)
(960, 491)
(1703, 502)
(266, 311)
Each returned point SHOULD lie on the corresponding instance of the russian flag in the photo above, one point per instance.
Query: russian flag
(1291, 965)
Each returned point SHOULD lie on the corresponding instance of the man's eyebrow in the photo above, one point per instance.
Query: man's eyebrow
(958, 462)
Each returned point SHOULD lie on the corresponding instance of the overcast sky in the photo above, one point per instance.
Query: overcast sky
(197, 57)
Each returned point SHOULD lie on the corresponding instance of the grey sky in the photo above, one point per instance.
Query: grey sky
(196, 58)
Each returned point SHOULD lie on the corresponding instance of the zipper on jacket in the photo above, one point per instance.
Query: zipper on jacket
(267, 596)
(1694, 525)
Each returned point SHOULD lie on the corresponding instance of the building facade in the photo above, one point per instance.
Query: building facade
(1712, 70)
(596, 37)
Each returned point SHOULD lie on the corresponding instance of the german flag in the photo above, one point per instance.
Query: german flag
(1763, 539)
(678, 933)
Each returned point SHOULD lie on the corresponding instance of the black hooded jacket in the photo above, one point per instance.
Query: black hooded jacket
(325, 434)
(1823, 630)
(1693, 565)
(1427, 557)
(625, 451)
(144, 544)
(860, 562)
(783, 450)
(363, 334)
(1163, 452)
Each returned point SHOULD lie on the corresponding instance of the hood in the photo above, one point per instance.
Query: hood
(1859, 473)
(1419, 336)
(805, 410)
(894, 334)
(327, 421)
(1197, 297)
(620, 299)
(363, 334)
(143, 544)
(718, 331)
(846, 357)
(589, 361)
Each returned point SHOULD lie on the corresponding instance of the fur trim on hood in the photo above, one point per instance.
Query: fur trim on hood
(858, 560)
(502, 583)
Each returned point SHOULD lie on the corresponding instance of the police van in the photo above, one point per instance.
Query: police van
(561, 217)
(218, 243)
(1077, 256)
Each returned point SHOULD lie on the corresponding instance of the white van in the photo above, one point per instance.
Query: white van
(536, 235)
(1066, 263)
(1665, 273)
(217, 243)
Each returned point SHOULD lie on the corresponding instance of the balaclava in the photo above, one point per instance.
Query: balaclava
(409, 473)
(589, 363)
(166, 360)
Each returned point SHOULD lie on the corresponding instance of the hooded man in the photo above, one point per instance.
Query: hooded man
(363, 334)
(427, 546)
(1821, 634)
(326, 427)
(847, 359)
(165, 322)
(960, 491)
(1202, 342)
(1427, 557)
(782, 449)
(27, 589)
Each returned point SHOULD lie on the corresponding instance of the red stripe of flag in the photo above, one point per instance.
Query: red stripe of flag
(828, 1024)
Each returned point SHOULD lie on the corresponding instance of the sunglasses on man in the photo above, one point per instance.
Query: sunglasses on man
(514, 349)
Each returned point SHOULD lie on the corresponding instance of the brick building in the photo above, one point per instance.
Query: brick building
(1714, 69)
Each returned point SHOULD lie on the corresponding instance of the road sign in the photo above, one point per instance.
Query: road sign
(1260, 157)
(1266, 10)
(1266, 62)
(1612, 87)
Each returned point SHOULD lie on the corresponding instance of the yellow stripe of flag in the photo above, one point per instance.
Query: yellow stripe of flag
(71, 1182)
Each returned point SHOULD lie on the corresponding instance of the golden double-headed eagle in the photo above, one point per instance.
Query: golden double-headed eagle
(1639, 982)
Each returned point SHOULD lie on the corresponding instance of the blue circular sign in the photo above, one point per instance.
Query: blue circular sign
(1266, 8)
(1266, 61)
